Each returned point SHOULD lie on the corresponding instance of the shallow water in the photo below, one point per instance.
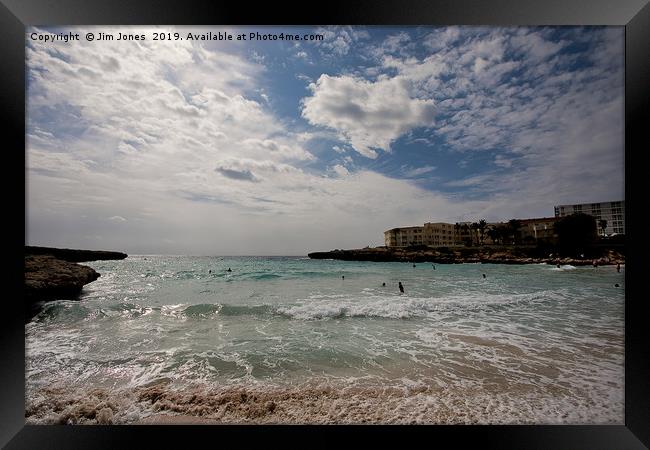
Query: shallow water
(526, 344)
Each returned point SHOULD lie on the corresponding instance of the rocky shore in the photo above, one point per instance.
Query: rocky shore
(461, 255)
(73, 255)
(52, 273)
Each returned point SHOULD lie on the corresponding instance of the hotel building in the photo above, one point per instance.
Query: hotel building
(612, 212)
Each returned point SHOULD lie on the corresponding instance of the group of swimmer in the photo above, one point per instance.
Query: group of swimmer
(401, 287)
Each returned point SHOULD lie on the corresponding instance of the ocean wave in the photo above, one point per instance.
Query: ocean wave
(332, 401)
(398, 307)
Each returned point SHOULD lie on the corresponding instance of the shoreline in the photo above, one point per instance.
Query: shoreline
(483, 255)
(211, 404)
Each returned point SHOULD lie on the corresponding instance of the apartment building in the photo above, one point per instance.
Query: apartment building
(404, 236)
(439, 234)
(612, 212)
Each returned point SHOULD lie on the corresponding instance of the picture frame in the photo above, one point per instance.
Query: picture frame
(16, 15)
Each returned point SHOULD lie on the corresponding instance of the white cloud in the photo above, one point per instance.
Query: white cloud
(418, 171)
(339, 40)
(340, 170)
(367, 115)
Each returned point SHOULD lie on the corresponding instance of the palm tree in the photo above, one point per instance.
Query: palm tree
(602, 223)
(493, 234)
(514, 225)
(481, 226)
(475, 230)
(457, 230)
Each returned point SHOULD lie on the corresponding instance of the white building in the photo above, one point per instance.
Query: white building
(612, 212)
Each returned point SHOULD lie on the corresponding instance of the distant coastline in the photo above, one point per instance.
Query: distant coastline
(460, 255)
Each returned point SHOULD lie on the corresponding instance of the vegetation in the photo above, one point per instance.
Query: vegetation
(576, 232)
(602, 223)
(514, 226)
(482, 224)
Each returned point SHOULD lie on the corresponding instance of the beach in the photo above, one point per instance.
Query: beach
(290, 340)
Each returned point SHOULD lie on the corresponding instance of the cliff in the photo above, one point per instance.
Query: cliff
(71, 255)
(513, 255)
(52, 273)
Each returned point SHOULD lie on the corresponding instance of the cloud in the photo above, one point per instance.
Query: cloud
(245, 175)
(416, 172)
(340, 170)
(366, 115)
(338, 41)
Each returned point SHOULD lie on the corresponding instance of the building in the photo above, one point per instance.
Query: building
(403, 237)
(535, 230)
(612, 212)
(439, 234)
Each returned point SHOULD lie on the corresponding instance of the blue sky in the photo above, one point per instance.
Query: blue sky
(210, 147)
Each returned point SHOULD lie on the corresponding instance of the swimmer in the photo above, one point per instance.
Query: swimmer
(616, 285)
(401, 288)
(413, 265)
(434, 267)
(342, 277)
(484, 276)
(618, 267)
(209, 271)
(558, 266)
(229, 270)
(383, 284)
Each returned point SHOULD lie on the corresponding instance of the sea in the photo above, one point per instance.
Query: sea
(293, 340)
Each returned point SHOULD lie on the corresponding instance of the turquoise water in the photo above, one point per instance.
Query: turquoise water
(541, 344)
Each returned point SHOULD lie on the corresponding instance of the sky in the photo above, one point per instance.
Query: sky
(207, 147)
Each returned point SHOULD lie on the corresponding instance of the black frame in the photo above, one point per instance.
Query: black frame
(16, 15)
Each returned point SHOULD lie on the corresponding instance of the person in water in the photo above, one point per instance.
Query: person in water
(209, 271)
(342, 277)
(484, 276)
(618, 267)
(401, 288)
(229, 270)
(558, 266)
(413, 265)
(434, 267)
(383, 284)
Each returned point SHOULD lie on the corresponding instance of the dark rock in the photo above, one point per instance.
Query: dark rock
(47, 277)
(486, 255)
(72, 255)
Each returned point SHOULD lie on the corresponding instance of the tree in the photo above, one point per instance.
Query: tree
(576, 232)
(514, 226)
(474, 227)
(457, 228)
(602, 223)
(494, 234)
(481, 226)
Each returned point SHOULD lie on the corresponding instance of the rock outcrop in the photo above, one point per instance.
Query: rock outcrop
(47, 277)
(463, 255)
(72, 255)
(52, 273)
